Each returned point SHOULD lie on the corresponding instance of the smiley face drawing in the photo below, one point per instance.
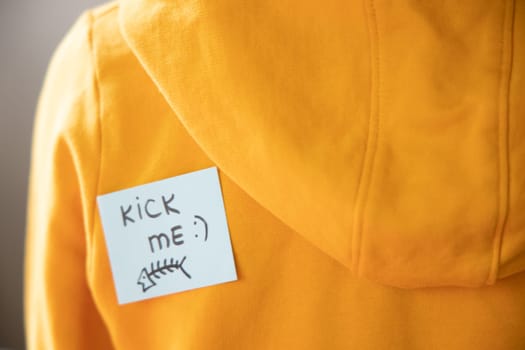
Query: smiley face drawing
(199, 221)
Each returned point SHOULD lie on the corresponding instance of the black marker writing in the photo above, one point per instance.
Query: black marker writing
(150, 208)
(160, 238)
(125, 217)
(146, 208)
(167, 205)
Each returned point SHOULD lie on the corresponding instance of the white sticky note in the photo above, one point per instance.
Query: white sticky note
(167, 236)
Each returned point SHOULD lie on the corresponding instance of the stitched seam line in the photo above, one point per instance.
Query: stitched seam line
(503, 147)
(110, 7)
(371, 143)
(99, 108)
(96, 87)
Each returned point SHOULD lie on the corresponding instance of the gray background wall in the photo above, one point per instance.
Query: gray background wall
(29, 32)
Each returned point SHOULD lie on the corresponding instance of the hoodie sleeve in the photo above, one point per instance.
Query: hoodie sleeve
(60, 312)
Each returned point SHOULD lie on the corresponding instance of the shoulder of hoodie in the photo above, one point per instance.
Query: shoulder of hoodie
(68, 116)
(89, 54)
(68, 110)
(106, 40)
(71, 77)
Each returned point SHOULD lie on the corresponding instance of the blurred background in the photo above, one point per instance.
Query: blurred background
(29, 32)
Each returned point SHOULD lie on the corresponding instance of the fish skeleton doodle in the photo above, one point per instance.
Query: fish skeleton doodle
(146, 277)
(157, 270)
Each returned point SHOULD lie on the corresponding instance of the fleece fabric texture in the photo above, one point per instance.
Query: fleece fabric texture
(371, 156)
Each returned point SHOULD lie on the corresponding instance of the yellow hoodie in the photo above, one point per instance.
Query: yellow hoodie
(371, 158)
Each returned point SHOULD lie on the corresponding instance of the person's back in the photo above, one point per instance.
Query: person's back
(371, 159)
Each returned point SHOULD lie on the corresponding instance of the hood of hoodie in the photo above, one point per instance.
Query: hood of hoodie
(389, 136)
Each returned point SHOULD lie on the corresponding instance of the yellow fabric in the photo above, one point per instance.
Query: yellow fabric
(371, 156)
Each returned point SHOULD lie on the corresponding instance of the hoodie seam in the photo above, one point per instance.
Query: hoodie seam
(103, 10)
(96, 88)
(372, 135)
(94, 15)
(503, 145)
